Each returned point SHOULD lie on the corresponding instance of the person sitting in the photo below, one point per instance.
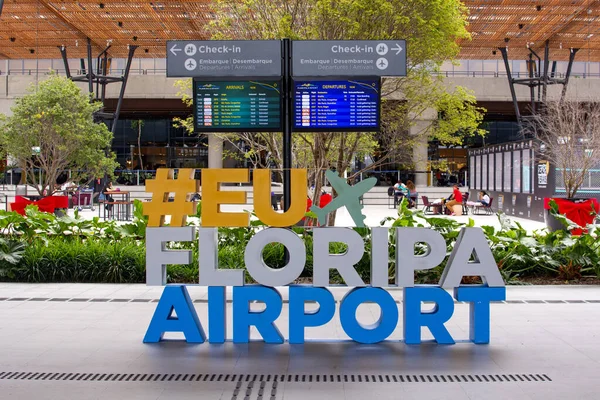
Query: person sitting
(413, 195)
(455, 199)
(484, 198)
(400, 190)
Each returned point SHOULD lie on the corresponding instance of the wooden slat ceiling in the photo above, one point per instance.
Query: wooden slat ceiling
(565, 23)
(34, 28)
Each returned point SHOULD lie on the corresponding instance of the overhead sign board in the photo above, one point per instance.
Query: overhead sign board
(224, 58)
(231, 106)
(348, 58)
(331, 105)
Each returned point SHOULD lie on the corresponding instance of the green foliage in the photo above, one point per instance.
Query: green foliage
(43, 248)
(80, 261)
(57, 118)
(41, 226)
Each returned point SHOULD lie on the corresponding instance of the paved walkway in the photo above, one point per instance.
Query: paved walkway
(78, 341)
(376, 214)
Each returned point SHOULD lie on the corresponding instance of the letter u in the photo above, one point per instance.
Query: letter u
(262, 198)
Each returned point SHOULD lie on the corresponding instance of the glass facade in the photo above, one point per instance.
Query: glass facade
(162, 145)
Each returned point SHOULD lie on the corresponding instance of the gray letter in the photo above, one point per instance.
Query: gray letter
(157, 257)
(260, 271)
(208, 260)
(471, 241)
(406, 260)
(344, 263)
(380, 257)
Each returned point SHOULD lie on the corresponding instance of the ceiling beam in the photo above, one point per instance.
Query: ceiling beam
(57, 13)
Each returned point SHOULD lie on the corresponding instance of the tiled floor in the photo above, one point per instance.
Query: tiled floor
(553, 339)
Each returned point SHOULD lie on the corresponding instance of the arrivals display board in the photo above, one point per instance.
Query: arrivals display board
(337, 105)
(234, 106)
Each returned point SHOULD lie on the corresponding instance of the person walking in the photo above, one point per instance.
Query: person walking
(455, 199)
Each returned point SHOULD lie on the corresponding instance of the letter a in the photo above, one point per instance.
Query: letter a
(175, 298)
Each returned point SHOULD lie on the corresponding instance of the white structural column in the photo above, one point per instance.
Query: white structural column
(420, 129)
(215, 151)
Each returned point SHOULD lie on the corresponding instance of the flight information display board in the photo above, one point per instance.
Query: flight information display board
(337, 105)
(237, 106)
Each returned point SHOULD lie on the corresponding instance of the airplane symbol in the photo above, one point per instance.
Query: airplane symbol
(348, 196)
(190, 64)
(382, 63)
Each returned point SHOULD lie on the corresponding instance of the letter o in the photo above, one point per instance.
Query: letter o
(380, 330)
(260, 271)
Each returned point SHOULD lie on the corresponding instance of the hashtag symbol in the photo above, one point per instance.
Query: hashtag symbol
(161, 188)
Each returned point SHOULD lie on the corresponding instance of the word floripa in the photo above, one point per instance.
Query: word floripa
(471, 256)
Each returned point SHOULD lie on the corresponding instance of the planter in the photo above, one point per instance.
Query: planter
(580, 211)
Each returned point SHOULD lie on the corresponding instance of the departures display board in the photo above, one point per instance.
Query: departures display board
(337, 105)
(237, 106)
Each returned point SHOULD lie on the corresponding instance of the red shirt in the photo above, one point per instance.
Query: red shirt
(457, 195)
(325, 199)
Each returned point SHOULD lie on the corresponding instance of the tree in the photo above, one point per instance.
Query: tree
(57, 120)
(139, 124)
(431, 28)
(570, 132)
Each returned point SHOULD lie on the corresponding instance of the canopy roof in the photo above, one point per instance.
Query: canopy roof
(35, 28)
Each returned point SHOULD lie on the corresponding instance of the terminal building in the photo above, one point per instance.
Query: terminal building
(32, 34)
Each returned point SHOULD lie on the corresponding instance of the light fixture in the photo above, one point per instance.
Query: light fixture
(101, 5)
(12, 39)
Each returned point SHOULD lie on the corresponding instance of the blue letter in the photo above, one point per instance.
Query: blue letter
(264, 320)
(479, 309)
(175, 298)
(414, 319)
(381, 329)
(299, 318)
(217, 317)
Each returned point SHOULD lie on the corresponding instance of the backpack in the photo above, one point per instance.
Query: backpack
(391, 191)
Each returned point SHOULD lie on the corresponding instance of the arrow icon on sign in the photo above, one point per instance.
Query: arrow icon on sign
(398, 49)
(174, 49)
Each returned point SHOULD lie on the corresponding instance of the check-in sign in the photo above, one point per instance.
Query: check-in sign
(349, 58)
(224, 58)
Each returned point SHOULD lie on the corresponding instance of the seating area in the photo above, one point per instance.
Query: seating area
(477, 207)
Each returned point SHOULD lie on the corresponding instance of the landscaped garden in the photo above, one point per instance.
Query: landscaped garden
(41, 247)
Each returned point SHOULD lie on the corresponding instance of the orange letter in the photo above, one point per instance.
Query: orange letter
(262, 198)
(212, 198)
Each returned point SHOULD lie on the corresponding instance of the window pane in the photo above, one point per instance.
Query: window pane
(478, 171)
(517, 171)
(507, 171)
(498, 172)
(472, 173)
(526, 172)
(484, 172)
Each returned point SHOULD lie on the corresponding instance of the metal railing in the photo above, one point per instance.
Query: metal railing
(162, 71)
